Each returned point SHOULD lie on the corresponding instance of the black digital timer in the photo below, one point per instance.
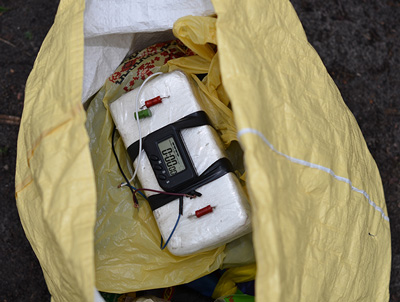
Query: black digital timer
(169, 158)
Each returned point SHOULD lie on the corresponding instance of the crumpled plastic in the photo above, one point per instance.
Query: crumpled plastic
(113, 28)
(227, 283)
(321, 229)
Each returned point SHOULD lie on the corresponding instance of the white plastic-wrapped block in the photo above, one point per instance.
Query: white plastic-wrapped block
(230, 217)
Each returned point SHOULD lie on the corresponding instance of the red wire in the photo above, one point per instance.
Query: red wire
(166, 193)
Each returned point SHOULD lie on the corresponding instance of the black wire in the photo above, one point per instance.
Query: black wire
(134, 190)
(120, 168)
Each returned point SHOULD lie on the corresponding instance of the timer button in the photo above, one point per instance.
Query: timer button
(158, 167)
(162, 177)
(153, 157)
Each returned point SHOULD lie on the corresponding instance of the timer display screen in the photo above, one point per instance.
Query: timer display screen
(172, 158)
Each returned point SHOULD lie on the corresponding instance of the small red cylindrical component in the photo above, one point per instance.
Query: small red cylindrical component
(204, 211)
(153, 101)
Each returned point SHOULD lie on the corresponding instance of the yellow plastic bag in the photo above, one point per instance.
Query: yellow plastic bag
(321, 230)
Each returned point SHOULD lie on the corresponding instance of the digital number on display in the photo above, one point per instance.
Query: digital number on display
(172, 157)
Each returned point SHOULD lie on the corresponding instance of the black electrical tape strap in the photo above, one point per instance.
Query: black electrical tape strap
(215, 171)
(195, 119)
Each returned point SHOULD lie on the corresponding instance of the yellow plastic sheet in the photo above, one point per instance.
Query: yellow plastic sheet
(321, 230)
(54, 181)
(227, 283)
